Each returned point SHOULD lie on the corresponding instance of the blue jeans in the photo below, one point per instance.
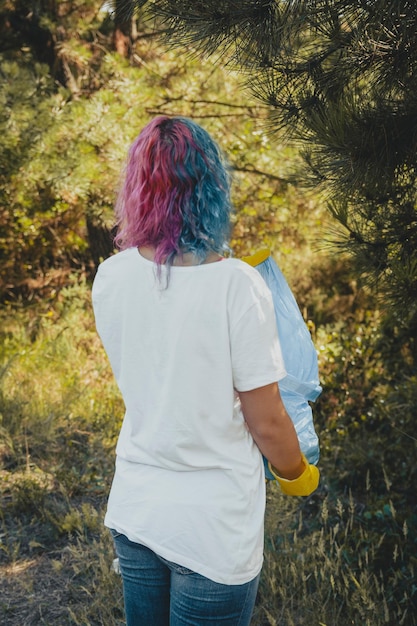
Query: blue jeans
(160, 593)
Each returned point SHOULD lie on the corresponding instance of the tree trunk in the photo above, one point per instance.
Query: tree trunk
(123, 19)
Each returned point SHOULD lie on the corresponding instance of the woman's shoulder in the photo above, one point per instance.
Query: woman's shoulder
(113, 271)
(245, 279)
(117, 261)
(244, 272)
(118, 257)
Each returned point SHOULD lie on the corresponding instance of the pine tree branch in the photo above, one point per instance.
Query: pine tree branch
(253, 170)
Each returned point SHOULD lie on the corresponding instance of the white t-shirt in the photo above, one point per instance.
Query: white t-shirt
(189, 480)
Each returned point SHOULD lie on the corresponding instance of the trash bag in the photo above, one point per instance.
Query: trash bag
(301, 385)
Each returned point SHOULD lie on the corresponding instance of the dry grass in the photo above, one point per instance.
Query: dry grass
(73, 584)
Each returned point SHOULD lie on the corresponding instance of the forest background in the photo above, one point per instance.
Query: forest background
(77, 84)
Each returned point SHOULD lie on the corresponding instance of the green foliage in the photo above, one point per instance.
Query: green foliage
(368, 422)
(369, 439)
(48, 382)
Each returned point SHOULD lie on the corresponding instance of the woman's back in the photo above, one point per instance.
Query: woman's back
(184, 451)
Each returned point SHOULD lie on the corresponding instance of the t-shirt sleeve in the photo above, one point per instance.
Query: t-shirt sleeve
(255, 349)
(98, 289)
(106, 310)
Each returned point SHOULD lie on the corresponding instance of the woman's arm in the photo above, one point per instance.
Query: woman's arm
(272, 429)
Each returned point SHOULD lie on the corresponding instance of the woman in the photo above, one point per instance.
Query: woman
(192, 341)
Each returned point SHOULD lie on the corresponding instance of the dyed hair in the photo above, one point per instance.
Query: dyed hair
(176, 192)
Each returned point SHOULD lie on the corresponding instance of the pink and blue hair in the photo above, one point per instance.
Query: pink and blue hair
(176, 192)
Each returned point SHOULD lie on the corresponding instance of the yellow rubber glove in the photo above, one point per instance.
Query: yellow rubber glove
(257, 258)
(304, 485)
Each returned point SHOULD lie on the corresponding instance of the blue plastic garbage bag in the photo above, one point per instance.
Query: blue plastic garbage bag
(301, 385)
